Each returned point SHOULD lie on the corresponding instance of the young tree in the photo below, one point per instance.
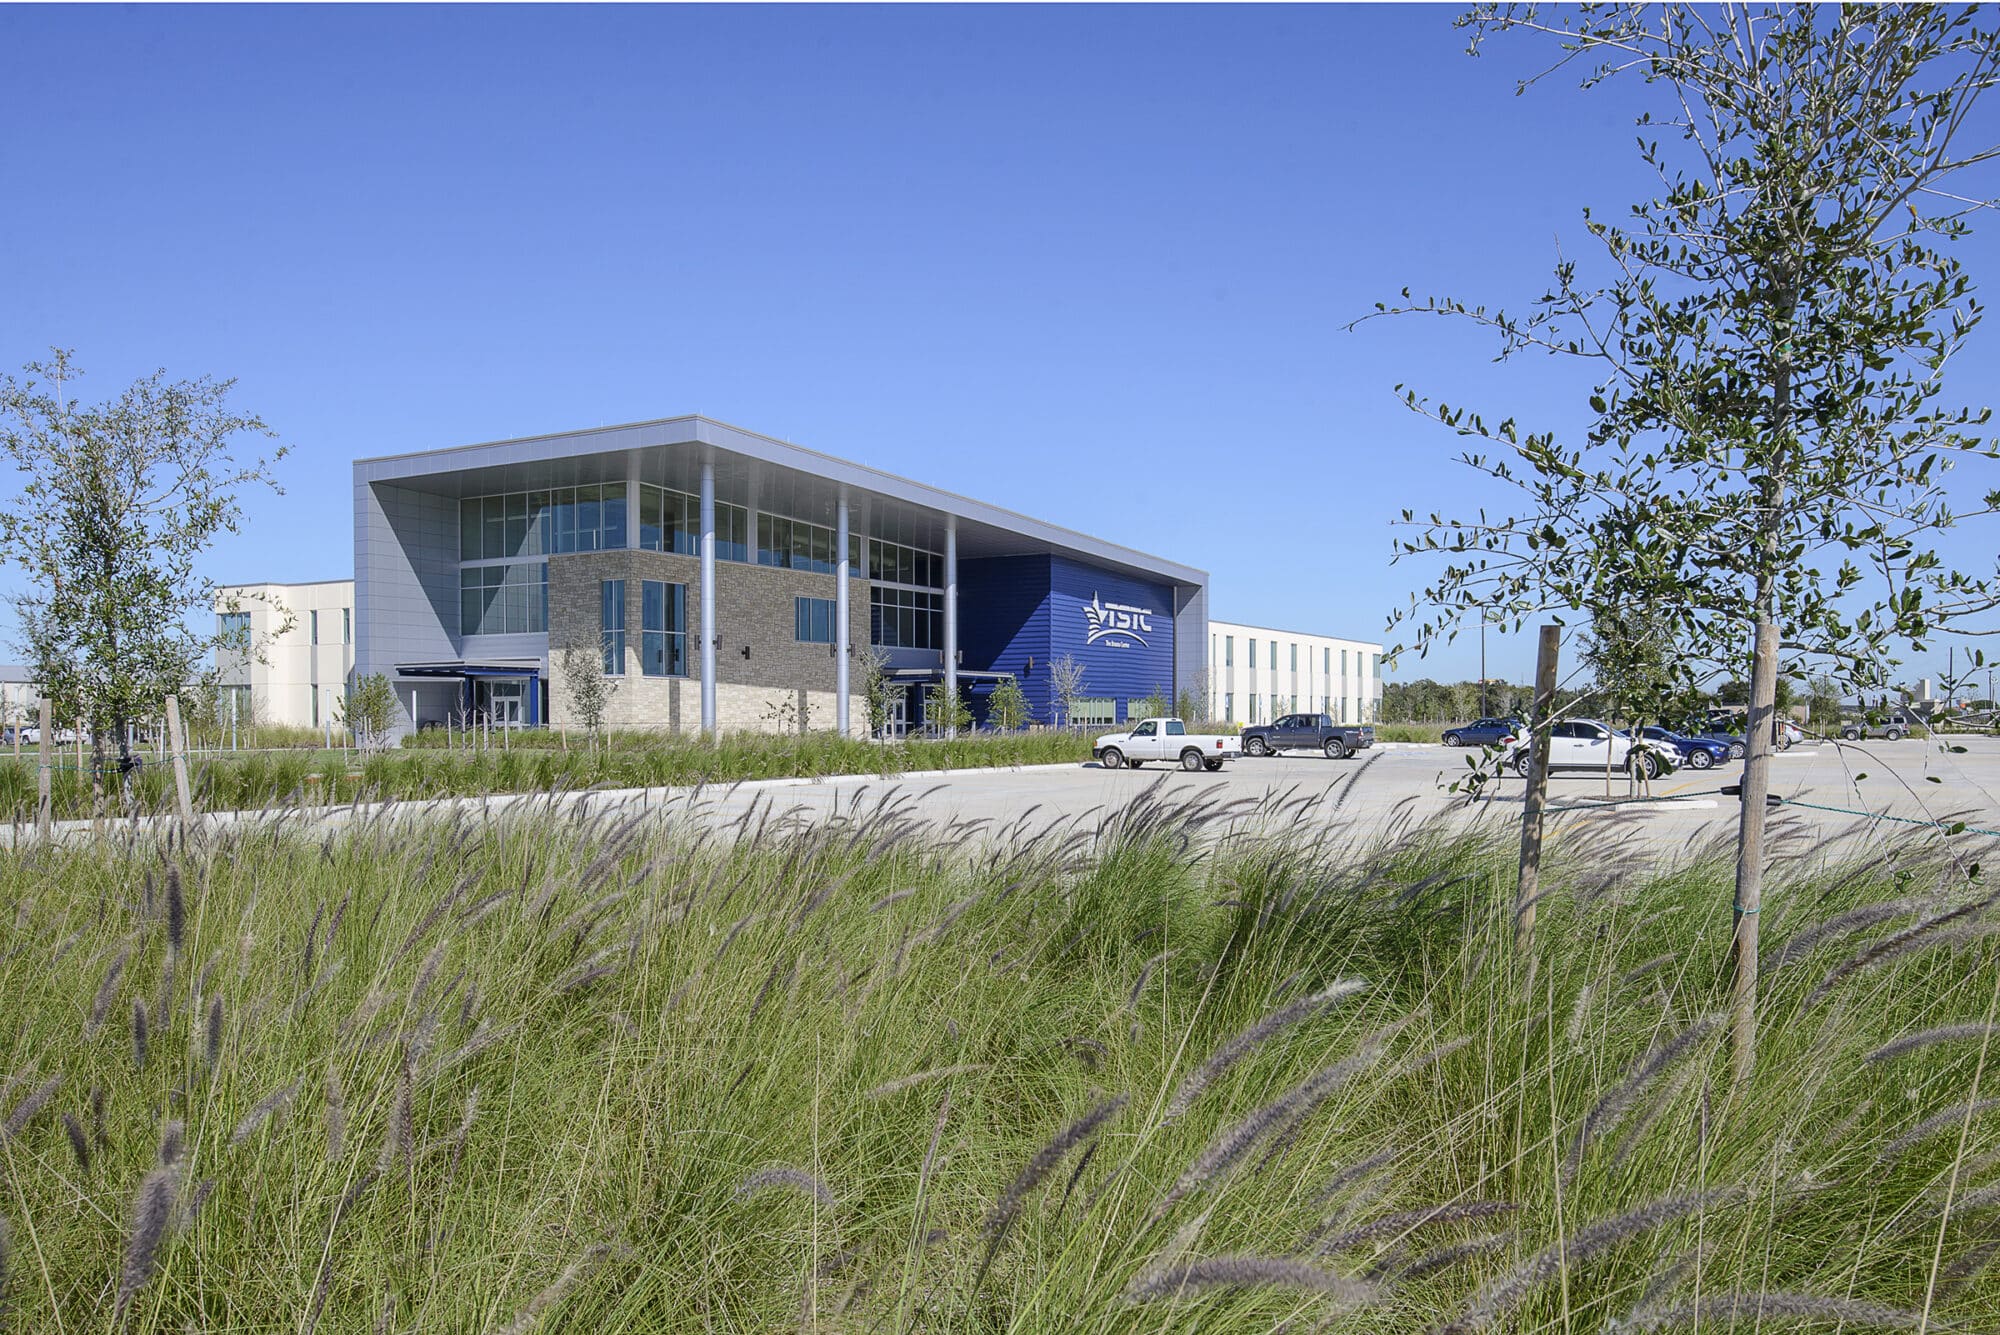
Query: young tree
(117, 503)
(882, 691)
(1768, 344)
(946, 710)
(588, 688)
(370, 711)
(1065, 686)
(1007, 707)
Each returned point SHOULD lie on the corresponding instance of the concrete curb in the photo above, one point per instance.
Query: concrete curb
(17, 837)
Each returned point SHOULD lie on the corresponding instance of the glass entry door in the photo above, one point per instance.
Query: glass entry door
(502, 700)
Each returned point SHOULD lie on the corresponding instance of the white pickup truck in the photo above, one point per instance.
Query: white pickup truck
(1165, 739)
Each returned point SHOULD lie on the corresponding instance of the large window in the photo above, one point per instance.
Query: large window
(812, 620)
(233, 628)
(893, 563)
(663, 629)
(1295, 657)
(504, 599)
(794, 544)
(1229, 651)
(670, 521)
(1253, 653)
(611, 616)
(347, 625)
(315, 640)
(905, 618)
(587, 518)
(1229, 707)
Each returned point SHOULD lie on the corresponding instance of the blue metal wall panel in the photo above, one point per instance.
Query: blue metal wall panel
(1014, 609)
(1121, 629)
(1003, 622)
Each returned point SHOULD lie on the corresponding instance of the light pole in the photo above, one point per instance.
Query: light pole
(1482, 663)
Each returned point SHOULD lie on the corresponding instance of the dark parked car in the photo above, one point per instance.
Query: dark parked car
(1696, 752)
(1308, 732)
(1484, 732)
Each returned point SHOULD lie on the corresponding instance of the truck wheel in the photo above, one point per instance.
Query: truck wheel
(1700, 760)
(1212, 766)
(1336, 749)
(1112, 758)
(1257, 746)
(1850, 734)
(1894, 734)
(1191, 760)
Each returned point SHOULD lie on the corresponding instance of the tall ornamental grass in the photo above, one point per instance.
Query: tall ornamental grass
(1182, 1071)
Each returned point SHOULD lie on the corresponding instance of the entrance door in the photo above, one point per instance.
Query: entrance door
(502, 700)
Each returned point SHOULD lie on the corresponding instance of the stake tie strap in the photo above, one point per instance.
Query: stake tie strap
(1738, 906)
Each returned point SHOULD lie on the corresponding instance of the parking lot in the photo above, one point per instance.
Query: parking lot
(1905, 781)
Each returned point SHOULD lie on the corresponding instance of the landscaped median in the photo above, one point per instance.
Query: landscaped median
(529, 763)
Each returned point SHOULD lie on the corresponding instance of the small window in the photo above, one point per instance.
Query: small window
(1229, 651)
(812, 620)
(315, 640)
(1143, 730)
(1176, 728)
(1229, 706)
(1253, 653)
(347, 625)
(611, 621)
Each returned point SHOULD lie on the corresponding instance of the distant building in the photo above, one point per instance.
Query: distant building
(292, 675)
(1257, 674)
(20, 698)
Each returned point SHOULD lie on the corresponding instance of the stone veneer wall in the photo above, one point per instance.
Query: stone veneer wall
(754, 607)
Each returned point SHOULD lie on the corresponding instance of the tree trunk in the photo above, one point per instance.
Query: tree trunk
(1757, 750)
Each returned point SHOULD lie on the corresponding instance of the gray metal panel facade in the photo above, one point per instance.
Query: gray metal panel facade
(405, 577)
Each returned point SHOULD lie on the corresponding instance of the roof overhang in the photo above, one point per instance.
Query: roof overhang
(785, 478)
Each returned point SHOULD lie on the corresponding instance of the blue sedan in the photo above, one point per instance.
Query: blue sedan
(1696, 752)
(1484, 732)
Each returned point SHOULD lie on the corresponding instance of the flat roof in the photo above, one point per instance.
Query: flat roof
(1215, 621)
(815, 480)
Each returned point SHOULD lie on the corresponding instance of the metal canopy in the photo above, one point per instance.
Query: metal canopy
(780, 477)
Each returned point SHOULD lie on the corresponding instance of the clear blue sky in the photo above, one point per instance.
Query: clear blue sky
(1092, 264)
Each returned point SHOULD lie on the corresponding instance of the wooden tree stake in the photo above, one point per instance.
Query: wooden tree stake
(1538, 787)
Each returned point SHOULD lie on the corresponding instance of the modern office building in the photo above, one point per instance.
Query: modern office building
(293, 651)
(1257, 674)
(727, 580)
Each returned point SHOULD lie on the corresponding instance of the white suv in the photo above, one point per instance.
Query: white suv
(1586, 744)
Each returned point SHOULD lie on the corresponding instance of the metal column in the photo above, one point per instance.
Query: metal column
(708, 596)
(840, 614)
(951, 616)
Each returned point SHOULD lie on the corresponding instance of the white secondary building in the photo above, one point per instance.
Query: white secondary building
(1258, 673)
(290, 675)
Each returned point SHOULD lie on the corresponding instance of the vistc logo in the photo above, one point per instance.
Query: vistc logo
(1116, 619)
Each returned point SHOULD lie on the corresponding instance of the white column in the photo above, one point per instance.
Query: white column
(951, 611)
(632, 499)
(840, 614)
(708, 596)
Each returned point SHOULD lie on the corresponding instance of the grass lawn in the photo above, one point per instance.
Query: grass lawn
(533, 762)
(530, 1073)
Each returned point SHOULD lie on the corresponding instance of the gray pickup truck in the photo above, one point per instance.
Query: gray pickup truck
(1308, 732)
